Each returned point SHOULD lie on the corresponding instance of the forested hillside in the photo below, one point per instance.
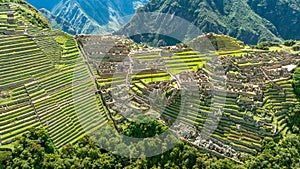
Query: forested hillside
(31, 152)
(250, 21)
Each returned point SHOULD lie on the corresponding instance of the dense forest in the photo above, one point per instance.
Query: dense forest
(35, 150)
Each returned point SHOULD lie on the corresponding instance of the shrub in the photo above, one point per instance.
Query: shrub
(289, 43)
(296, 48)
(262, 46)
(296, 81)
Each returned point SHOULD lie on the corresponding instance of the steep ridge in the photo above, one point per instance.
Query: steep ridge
(284, 14)
(58, 22)
(249, 21)
(90, 17)
(76, 16)
(49, 5)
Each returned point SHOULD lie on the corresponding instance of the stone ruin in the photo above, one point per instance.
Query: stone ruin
(240, 78)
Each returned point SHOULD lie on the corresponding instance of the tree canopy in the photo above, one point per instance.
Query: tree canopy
(35, 150)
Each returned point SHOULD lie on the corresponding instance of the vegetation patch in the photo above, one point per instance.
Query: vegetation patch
(296, 81)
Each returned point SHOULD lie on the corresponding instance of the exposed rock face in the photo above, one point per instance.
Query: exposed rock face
(88, 17)
(251, 21)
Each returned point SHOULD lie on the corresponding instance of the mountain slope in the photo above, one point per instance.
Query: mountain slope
(48, 4)
(90, 17)
(57, 22)
(284, 14)
(245, 20)
(40, 69)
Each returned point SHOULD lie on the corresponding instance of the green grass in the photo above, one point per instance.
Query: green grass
(52, 91)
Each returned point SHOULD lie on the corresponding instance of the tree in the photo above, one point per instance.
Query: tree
(294, 119)
(296, 81)
(284, 154)
(296, 48)
(30, 152)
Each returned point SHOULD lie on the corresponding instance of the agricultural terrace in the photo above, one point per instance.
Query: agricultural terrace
(247, 91)
(234, 101)
(20, 18)
(44, 80)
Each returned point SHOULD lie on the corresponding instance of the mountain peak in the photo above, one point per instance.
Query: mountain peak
(91, 17)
